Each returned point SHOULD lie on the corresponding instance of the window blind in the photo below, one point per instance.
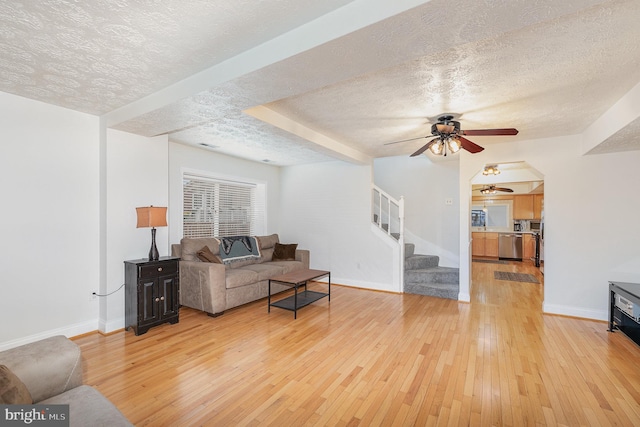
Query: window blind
(217, 208)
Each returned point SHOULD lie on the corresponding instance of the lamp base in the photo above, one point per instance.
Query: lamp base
(154, 255)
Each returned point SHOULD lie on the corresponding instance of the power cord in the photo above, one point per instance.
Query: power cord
(110, 293)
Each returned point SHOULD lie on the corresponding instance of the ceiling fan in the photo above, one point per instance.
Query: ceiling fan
(492, 189)
(449, 136)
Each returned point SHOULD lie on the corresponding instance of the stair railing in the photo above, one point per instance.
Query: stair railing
(388, 216)
(388, 213)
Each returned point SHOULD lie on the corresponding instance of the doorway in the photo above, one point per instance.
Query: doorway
(507, 229)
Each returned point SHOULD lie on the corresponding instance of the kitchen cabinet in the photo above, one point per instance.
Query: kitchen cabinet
(529, 247)
(484, 244)
(538, 206)
(151, 293)
(523, 206)
(491, 244)
(477, 244)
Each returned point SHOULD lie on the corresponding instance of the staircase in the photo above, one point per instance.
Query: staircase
(423, 276)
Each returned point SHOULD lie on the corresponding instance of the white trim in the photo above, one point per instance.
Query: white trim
(112, 325)
(583, 313)
(350, 283)
(67, 331)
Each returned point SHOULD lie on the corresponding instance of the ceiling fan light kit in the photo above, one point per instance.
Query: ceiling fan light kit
(491, 170)
(492, 189)
(449, 137)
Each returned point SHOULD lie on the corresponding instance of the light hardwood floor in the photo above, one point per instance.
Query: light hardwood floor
(373, 358)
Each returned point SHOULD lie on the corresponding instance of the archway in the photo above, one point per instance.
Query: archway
(506, 215)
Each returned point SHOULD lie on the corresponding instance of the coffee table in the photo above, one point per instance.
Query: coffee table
(296, 279)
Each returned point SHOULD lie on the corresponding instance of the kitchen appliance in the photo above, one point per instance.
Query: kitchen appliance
(510, 246)
(517, 226)
(535, 225)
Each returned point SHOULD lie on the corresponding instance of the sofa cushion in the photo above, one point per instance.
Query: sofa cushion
(236, 277)
(287, 266)
(47, 367)
(191, 246)
(87, 407)
(283, 252)
(12, 390)
(205, 255)
(265, 271)
(267, 243)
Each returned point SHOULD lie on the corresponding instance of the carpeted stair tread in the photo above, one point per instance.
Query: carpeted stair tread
(409, 249)
(424, 276)
(416, 262)
(439, 290)
(433, 275)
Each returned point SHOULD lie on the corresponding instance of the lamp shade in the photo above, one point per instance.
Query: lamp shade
(151, 216)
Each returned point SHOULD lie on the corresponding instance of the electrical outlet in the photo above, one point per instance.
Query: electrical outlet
(448, 201)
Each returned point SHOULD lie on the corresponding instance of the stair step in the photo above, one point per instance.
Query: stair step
(439, 290)
(409, 248)
(416, 262)
(433, 275)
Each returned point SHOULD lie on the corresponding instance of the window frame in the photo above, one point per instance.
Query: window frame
(213, 212)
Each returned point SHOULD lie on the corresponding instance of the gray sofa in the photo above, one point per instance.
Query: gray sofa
(51, 370)
(214, 288)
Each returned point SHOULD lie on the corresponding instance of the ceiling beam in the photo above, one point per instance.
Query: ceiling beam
(335, 148)
(620, 115)
(333, 25)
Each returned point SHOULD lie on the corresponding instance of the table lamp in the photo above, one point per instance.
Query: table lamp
(152, 216)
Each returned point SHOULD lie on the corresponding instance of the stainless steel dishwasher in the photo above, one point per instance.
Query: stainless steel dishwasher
(510, 246)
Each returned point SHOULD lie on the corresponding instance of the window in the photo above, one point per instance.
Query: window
(492, 215)
(214, 207)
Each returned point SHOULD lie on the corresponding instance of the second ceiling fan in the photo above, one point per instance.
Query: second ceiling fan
(492, 189)
(449, 137)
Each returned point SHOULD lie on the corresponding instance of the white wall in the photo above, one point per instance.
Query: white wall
(49, 158)
(591, 227)
(430, 223)
(136, 175)
(326, 207)
(183, 157)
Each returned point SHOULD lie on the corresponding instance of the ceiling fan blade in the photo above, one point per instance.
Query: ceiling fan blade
(471, 147)
(490, 132)
(506, 190)
(406, 140)
(424, 147)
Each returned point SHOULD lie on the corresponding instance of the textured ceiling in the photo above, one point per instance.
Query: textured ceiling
(545, 67)
(99, 55)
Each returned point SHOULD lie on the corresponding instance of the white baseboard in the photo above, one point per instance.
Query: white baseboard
(464, 297)
(363, 285)
(111, 325)
(583, 313)
(67, 331)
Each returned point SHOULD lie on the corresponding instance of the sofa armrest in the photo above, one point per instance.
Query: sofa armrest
(47, 367)
(202, 286)
(302, 255)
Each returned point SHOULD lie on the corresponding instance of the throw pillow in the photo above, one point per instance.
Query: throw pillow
(206, 255)
(282, 252)
(12, 390)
